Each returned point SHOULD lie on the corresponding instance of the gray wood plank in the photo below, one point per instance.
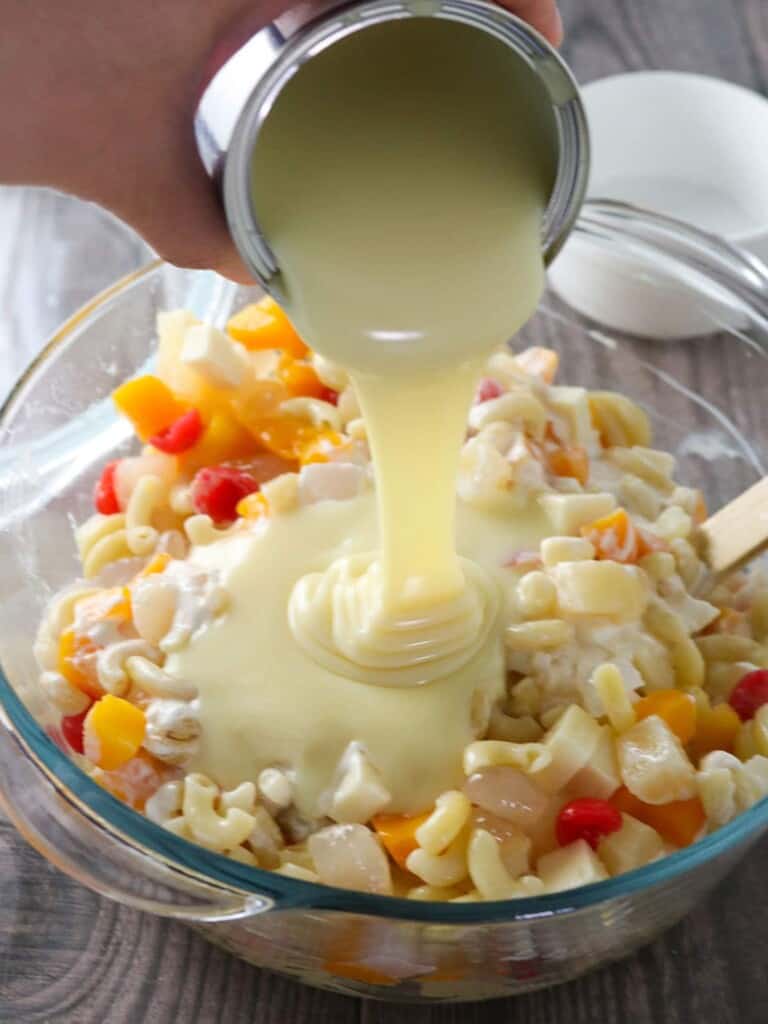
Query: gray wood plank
(67, 955)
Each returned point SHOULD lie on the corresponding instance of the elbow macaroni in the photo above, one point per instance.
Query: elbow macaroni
(147, 496)
(100, 541)
(444, 869)
(111, 663)
(589, 628)
(445, 823)
(200, 530)
(487, 869)
(208, 826)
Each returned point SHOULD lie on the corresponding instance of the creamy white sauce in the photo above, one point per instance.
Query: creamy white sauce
(264, 702)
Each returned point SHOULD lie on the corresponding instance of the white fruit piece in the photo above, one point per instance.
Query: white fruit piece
(601, 588)
(361, 793)
(716, 784)
(673, 524)
(171, 327)
(215, 355)
(351, 857)
(599, 778)
(568, 512)
(573, 865)
(632, 846)
(508, 794)
(654, 766)
(275, 786)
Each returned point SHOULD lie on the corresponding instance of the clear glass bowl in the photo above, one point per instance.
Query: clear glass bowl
(706, 399)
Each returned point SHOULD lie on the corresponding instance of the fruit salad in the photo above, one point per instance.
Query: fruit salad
(634, 713)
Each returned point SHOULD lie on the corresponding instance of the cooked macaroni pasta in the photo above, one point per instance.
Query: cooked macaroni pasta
(627, 672)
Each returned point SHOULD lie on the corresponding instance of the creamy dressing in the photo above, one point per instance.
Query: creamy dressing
(265, 702)
(400, 179)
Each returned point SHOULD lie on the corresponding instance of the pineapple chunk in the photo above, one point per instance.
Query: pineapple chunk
(632, 846)
(571, 743)
(653, 764)
(601, 588)
(565, 549)
(568, 512)
(361, 793)
(673, 524)
(171, 327)
(752, 781)
(185, 381)
(573, 405)
(573, 865)
(716, 783)
(599, 777)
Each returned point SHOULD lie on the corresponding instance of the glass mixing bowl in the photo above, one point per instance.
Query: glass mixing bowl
(705, 396)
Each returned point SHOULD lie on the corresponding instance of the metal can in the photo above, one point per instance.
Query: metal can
(238, 100)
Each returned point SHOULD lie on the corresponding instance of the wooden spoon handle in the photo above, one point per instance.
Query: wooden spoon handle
(739, 530)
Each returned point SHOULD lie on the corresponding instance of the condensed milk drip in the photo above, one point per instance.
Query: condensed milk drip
(341, 618)
(401, 179)
(266, 700)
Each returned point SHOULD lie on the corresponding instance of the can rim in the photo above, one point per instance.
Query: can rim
(573, 148)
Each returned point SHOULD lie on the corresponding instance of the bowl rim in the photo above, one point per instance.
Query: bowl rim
(126, 825)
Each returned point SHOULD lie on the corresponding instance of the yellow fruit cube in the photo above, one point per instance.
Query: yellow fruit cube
(264, 325)
(149, 404)
(113, 732)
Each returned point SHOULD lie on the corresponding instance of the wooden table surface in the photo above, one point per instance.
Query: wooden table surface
(67, 955)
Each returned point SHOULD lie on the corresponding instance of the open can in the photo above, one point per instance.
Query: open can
(239, 98)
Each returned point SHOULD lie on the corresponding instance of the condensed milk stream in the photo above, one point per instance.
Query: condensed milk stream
(409, 248)
(401, 178)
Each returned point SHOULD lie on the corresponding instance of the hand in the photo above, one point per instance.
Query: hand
(543, 15)
(98, 100)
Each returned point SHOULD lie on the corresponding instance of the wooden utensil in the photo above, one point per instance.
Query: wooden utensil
(739, 530)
